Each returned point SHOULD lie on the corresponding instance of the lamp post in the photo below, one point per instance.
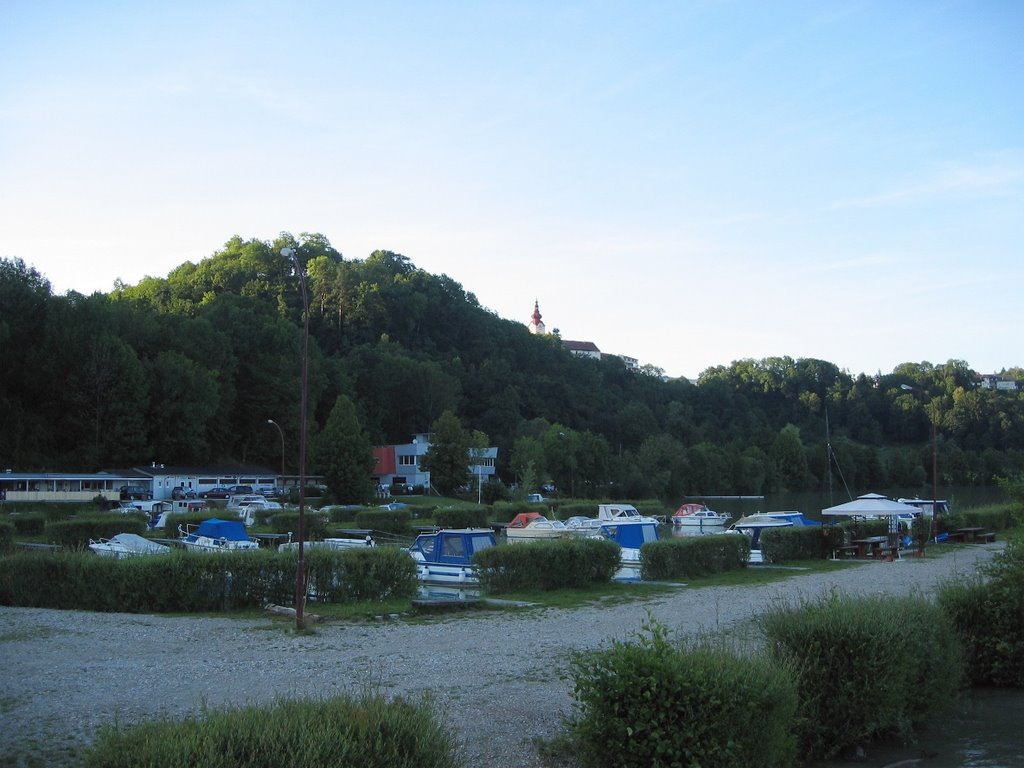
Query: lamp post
(281, 432)
(300, 570)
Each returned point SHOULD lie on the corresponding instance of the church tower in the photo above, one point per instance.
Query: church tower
(536, 324)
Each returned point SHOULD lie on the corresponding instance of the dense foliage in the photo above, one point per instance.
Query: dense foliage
(650, 703)
(865, 666)
(989, 617)
(188, 369)
(370, 731)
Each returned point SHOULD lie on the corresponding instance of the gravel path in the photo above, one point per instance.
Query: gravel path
(496, 675)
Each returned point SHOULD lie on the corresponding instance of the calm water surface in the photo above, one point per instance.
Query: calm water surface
(985, 729)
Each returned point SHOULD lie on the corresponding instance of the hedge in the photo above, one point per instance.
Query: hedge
(691, 556)
(547, 565)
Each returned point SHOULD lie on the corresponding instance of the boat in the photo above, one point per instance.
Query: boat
(533, 526)
(798, 519)
(127, 545)
(446, 556)
(608, 513)
(698, 515)
(630, 535)
(928, 507)
(216, 535)
(331, 543)
(246, 506)
(752, 526)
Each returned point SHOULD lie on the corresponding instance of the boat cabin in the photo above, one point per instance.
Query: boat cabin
(454, 547)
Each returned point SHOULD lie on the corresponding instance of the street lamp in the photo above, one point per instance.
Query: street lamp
(935, 464)
(300, 570)
(281, 432)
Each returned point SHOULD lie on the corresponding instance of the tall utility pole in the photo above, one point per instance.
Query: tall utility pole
(300, 570)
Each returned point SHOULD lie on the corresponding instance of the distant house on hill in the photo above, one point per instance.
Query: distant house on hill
(997, 381)
(583, 349)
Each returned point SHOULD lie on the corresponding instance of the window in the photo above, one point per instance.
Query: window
(407, 461)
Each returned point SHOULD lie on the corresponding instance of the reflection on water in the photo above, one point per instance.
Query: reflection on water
(982, 730)
(440, 592)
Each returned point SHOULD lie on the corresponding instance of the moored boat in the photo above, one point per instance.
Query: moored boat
(216, 535)
(533, 526)
(752, 526)
(446, 556)
(127, 545)
(697, 515)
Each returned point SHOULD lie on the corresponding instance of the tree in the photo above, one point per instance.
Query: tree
(447, 458)
(789, 458)
(343, 454)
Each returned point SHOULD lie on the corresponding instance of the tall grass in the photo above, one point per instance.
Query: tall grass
(343, 732)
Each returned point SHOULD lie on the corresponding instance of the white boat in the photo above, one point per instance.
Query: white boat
(446, 556)
(216, 535)
(246, 506)
(333, 543)
(127, 545)
(533, 526)
(608, 513)
(698, 516)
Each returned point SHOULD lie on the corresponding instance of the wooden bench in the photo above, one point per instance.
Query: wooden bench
(987, 537)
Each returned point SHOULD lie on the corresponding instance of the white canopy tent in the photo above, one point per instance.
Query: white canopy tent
(874, 505)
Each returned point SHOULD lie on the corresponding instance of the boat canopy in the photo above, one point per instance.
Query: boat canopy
(230, 530)
(631, 535)
(523, 519)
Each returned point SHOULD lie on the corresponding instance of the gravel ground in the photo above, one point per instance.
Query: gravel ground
(496, 675)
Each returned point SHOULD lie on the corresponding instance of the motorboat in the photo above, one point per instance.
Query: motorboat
(630, 535)
(330, 543)
(698, 515)
(798, 519)
(608, 513)
(752, 526)
(246, 506)
(125, 545)
(216, 535)
(533, 526)
(446, 556)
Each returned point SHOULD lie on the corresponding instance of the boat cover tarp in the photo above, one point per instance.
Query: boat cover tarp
(215, 528)
(631, 535)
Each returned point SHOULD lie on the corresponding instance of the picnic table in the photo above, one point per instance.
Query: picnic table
(970, 535)
(870, 545)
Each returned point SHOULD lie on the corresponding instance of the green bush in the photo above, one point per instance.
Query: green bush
(314, 524)
(865, 667)
(343, 732)
(78, 530)
(396, 521)
(547, 565)
(649, 703)
(6, 535)
(28, 524)
(989, 618)
(462, 517)
(370, 573)
(188, 582)
(691, 556)
(792, 543)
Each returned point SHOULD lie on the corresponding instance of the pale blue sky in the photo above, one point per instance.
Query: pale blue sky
(688, 183)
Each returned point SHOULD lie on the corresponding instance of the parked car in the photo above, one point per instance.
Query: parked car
(134, 492)
(235, 490)
(182, 493)
(215, 493)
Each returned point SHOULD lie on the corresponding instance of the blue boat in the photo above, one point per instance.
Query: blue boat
(446, 556)
(630, 535)
(216, 535)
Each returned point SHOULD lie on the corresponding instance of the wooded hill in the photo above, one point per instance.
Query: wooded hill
(187, 369)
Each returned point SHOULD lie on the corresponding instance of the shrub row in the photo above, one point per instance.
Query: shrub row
(690, 556)
(395, 521)
(287, 521)
(462, 517)
(79, 530)
(651, 703)
(833, 673)
(547, 565)
(865, 667)
(793, 543)
(368, 732)
(989, 618)
(186, 582)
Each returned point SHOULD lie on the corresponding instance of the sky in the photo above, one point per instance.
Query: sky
(689, 183)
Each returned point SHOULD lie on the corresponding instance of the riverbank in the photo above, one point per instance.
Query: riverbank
(495, 675)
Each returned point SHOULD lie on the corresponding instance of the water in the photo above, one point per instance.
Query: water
(982, 730)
